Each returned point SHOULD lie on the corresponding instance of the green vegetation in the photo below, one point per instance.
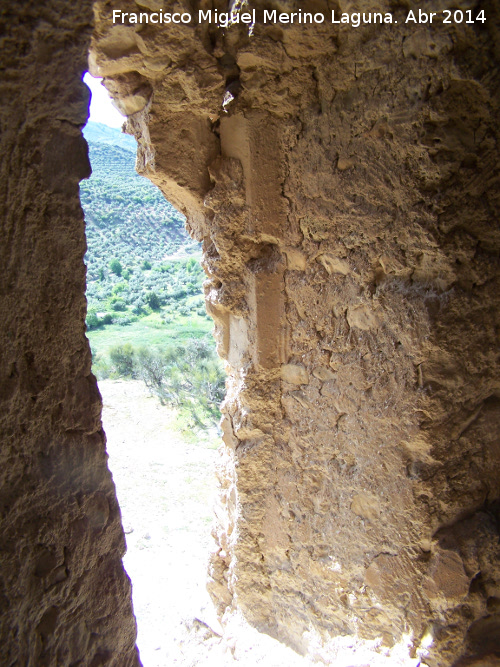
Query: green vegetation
(144, 284)
(171, 289)
(189, 377)
(129, 223)
(115, 266)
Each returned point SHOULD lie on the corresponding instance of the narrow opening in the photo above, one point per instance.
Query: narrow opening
(150, 338)
(161, 382)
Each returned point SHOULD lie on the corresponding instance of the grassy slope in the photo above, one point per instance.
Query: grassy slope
(148, 332)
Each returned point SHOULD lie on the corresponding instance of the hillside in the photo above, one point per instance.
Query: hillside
(132, 234)
(102, 134)
(127, 217)
(144, 278)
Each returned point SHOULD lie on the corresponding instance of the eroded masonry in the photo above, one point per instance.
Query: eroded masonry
(344, 183)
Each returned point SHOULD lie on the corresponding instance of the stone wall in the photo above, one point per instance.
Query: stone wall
(64, 596)
(345, 185)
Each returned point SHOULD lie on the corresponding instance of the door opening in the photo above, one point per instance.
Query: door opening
(161, 382)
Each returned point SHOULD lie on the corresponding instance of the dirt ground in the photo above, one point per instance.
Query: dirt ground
(165, 485)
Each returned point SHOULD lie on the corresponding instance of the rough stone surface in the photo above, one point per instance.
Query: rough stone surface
(347, 200)
(344, 183)
(64, 596)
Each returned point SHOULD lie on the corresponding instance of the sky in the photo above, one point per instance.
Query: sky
(101, 108)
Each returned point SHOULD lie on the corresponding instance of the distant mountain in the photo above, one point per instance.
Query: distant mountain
(102, 134)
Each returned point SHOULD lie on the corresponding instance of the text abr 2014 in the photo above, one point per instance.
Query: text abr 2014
(353, 19)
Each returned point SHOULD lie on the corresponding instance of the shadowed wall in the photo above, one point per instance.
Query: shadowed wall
(64, 596)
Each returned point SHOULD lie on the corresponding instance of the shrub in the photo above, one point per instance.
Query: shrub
(100, 367)
(178, 294)
(118, 304)
(116, 267)
(123, 321)
(146, 266)
(92, 321)
(189, 377)
(153, 300)
(123, 359)
(138, 307)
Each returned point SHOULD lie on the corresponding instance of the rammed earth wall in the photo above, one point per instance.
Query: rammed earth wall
(347, 199)
(344, 183)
